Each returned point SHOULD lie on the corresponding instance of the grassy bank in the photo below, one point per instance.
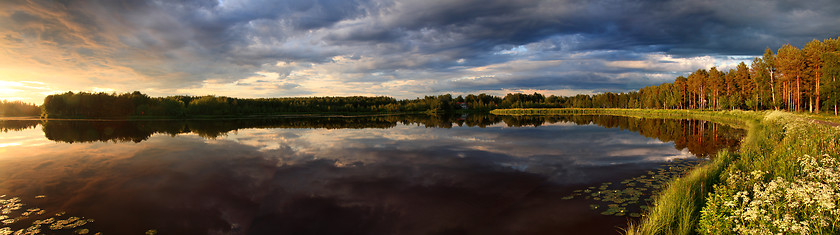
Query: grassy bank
(785, 177)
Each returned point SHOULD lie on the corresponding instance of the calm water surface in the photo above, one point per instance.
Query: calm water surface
(370, 175)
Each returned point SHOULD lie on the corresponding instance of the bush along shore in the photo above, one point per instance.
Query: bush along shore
(784, 178)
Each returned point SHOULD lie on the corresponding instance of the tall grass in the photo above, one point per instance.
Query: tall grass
(677, 209)
(748, 191)
(787, 181)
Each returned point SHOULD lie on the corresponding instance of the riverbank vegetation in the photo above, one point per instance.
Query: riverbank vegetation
(784, 178)
(786, 181)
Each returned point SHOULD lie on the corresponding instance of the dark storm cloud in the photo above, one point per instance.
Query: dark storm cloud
(559, 81)
(23, 17)
(180, 44)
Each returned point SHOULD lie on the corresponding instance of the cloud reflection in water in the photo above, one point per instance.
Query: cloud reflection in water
(406, 179)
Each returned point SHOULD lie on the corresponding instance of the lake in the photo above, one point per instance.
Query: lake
(470, 174)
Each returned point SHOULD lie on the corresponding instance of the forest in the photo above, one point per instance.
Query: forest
(88, 105)
(790, 78)
(136, 104)
(17, 109)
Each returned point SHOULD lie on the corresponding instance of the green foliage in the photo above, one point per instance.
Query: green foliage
(714, 216)
(785, 181)
(136, 104)
(772, 184)
(677, 209)
(831, 81)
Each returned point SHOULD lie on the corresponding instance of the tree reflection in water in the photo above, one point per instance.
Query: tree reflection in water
(317, 180)
(702, 138)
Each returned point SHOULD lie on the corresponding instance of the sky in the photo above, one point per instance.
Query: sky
(398, 48)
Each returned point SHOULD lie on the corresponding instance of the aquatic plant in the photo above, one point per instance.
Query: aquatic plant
(631, 196)
(12, 213)
(762, 188)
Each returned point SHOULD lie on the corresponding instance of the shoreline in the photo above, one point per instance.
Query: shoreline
(227, 117)
(695, 203)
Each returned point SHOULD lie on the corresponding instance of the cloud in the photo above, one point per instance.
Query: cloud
(260, 85)
(359, 47)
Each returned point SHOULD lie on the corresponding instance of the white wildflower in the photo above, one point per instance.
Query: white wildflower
(789, 207)
(757, 174)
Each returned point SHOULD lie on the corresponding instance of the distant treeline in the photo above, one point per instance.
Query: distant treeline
(791, 79)
(92, 105)
(104, 105)
(17, 109)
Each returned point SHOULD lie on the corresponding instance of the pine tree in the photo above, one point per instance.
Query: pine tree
(814, 51)
(745, 86)
(791, 64)
(831, 70)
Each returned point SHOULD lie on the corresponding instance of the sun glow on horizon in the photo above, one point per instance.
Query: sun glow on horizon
(402, 50)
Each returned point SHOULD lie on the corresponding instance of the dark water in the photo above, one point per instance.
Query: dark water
(475, 174)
